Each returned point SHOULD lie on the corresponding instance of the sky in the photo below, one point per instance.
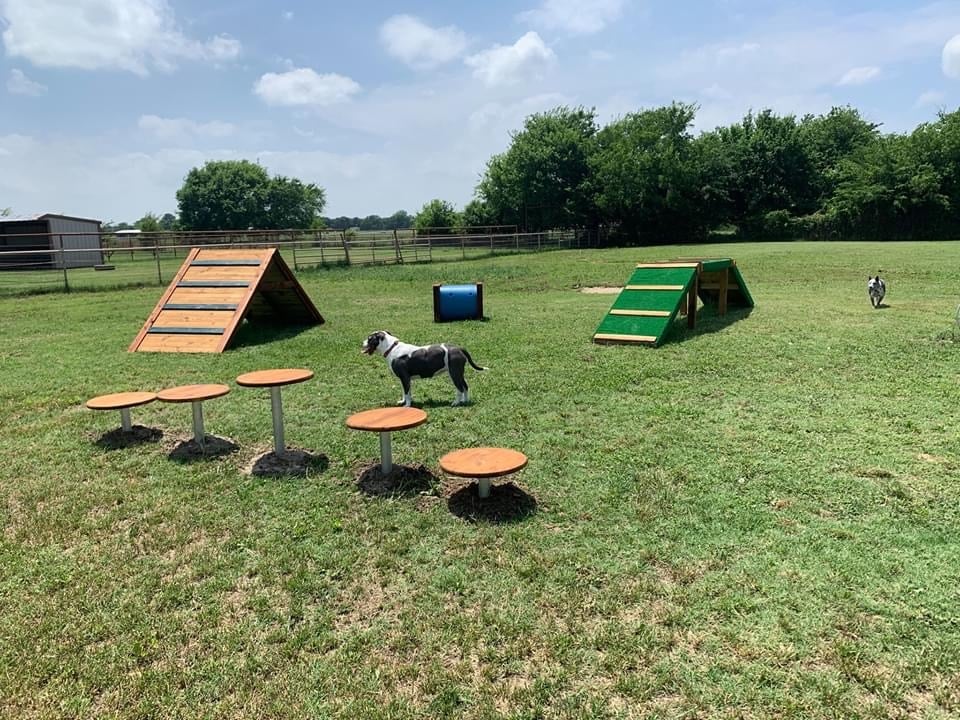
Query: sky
(106, 105)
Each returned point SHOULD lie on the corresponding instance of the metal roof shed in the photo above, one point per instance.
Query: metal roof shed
(47, 234)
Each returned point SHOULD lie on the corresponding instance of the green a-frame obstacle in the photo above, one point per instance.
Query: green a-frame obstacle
(656, 292)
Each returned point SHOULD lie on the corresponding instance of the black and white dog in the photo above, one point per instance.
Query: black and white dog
(414, 361)
(876, 289)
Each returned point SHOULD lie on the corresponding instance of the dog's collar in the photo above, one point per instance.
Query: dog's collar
(390, 349)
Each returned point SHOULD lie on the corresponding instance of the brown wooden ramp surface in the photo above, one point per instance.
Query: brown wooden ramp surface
(214, 290)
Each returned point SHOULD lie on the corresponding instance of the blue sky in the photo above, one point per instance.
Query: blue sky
(105, 105)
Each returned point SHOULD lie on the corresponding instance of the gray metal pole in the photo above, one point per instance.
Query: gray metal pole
(276, 406)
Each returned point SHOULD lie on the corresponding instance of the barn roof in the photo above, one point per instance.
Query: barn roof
(44, 216)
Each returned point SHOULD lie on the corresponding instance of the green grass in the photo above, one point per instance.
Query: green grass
(758, 519)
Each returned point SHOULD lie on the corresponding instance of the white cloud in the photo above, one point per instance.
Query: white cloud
(577, 17)
(20, 84)
(951, 58)
(304, 86)
(132, 35)
(930, 97)
(859, 75)
(419, 45)
(509, 64)
(737, 51)
(601, 56)
(178, 128)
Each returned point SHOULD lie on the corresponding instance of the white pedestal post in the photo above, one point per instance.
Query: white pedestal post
(277, 408)
(125, 422)
(198, 421)
(386, 454)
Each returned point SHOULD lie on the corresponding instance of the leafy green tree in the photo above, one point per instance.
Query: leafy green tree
(168, 222)
(540, 182)
(829, 139)
(478, 213)
(770, 169)
(236, 194)
(646, 176)
(436, 216)
(148, 223)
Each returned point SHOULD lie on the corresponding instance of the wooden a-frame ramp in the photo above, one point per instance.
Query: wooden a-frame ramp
(657, 292)
(214, 290)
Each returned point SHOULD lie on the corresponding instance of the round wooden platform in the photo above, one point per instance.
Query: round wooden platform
(274, 378)
(121, 400)
(192, 393)
(483, 462)
(387, 419)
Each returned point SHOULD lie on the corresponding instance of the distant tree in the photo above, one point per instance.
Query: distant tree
(436, 214)
(5, 212)
(400, 220)
(478, 213)
(235, 194)
(371, 222)
(148, 223)
(168, 222)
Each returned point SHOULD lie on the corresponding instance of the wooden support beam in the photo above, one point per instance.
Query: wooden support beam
(692, 303)
(724, 286)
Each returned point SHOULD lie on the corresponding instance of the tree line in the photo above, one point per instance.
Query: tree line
(648, 178)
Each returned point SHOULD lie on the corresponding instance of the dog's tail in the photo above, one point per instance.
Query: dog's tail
(472, 363)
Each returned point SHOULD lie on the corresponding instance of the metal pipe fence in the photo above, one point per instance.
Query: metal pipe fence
(154, 258)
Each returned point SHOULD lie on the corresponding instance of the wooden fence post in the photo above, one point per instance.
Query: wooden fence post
(346, 250)
(396, 245)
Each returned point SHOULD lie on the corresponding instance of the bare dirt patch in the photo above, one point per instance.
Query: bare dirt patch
(402, 480)
(292, 463)
(507, 502)
(189, 450)
(119, 438)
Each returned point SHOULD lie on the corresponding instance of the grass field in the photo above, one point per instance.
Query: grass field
(759, 519)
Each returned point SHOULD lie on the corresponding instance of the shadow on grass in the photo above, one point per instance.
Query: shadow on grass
(707, 322)
(507, 503)
(292, 463)
(402, 481)
(188, 451)
(118, 438)
(250, 334)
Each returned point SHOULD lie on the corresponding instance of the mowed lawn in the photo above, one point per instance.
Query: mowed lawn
(760, 518)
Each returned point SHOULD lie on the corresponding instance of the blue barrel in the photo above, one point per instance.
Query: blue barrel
(457, 302)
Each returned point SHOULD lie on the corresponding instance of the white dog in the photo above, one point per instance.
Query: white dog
(876, 289)
(414, 361)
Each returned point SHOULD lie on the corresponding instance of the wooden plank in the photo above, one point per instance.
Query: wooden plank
(654, 287)
(233, 254)
(724, 286)
(642, 313)
(213, 284)
(193, 318)
(626, 338)
(220, 272)
(669, 265)
(180, 343)
(207, 295)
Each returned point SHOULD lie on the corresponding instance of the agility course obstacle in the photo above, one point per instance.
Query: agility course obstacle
(657, 292)
(457, 302)
(213, 291)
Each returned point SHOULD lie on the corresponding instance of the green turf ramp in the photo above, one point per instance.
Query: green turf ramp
(645, 308)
